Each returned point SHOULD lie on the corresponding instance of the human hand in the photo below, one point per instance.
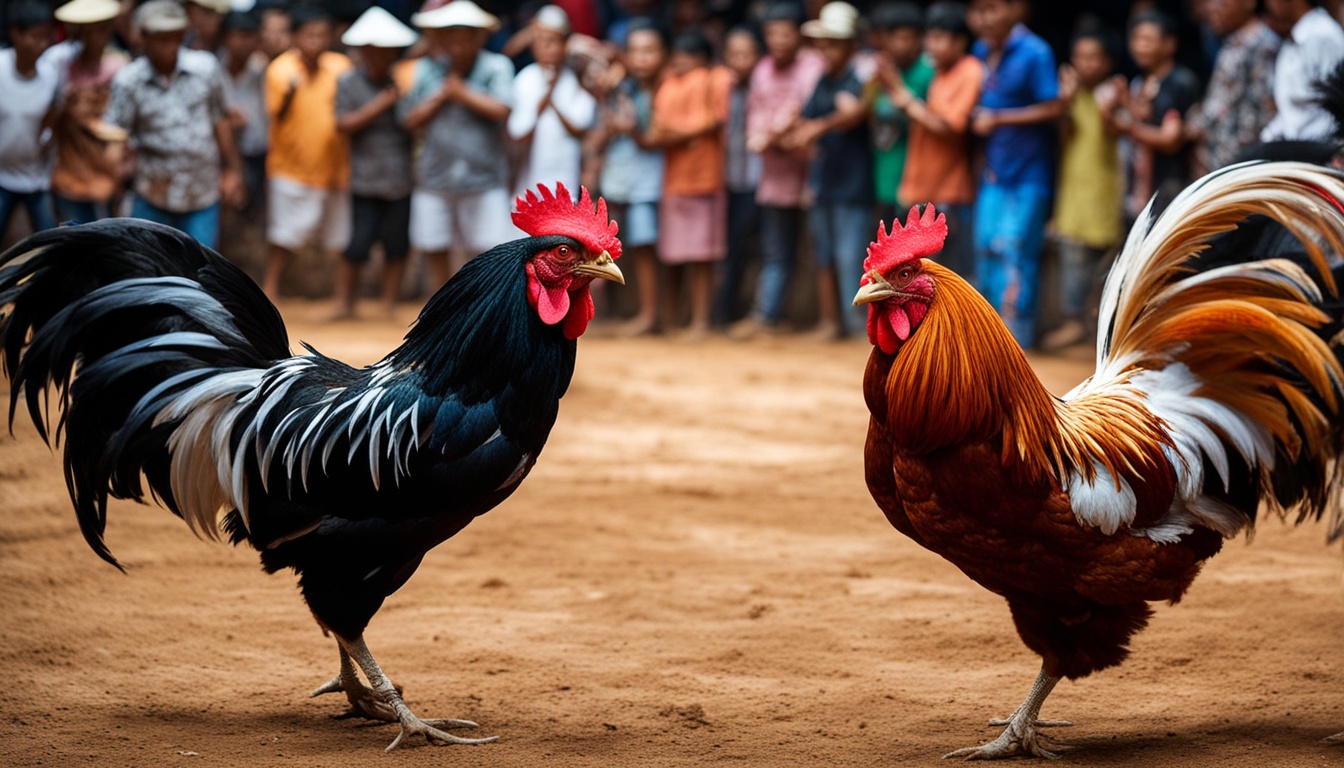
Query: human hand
(983, 122)
(231, 188)
(1068, 82)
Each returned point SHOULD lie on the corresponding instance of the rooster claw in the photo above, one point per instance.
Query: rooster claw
(1012, 743)
(414, 726)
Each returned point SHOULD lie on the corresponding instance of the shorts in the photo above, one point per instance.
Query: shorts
(695, 228)
(376, 220)
(300, 216)
(638, 223)
(475, 220)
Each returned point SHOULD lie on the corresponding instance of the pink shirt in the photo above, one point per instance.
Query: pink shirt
(776, 96)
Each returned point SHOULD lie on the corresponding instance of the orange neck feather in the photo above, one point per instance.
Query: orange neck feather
(961, 377)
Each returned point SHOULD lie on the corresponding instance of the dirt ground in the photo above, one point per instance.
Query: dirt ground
(694, 573)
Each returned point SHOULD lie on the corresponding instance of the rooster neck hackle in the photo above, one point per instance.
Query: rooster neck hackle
(479, 327)
(961, 377)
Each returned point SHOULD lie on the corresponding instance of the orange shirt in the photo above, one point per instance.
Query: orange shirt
(938, 168)
(691, 102)
(305, 145)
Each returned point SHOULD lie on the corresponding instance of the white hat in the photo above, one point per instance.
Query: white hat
(458, 13)
(158, 16)
(380, 29)
(554, 18)
(88, 11)
(218, 6)
(838, 21)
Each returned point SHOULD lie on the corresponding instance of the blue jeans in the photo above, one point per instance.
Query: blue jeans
(1078, 264)
(37, 203)
(840, 236)
(202, 224)
(1009, 234)
(779, 251)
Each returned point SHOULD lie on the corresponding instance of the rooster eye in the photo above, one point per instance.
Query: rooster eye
(563, 250)
(904, 274)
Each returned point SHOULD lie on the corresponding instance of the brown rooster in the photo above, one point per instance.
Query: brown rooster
(1218, 390)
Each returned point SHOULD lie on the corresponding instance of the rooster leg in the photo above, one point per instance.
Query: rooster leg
(1020, 737)
(410, 724)
(364, 701)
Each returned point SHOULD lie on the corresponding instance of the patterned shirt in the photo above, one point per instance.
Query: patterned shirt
(775, 99)
(462, 151)
(1239, 102)
(380, 155)
(172, 125)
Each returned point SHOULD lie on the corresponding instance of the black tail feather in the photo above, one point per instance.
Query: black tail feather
(99, 317)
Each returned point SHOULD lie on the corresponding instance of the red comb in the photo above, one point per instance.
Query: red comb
(557, 214)
(922, 236)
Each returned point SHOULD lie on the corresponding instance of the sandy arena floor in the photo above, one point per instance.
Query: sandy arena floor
(693, 574)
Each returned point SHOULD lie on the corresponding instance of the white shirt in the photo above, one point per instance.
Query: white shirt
(25, 162)
(554, 155)
(1314, 47)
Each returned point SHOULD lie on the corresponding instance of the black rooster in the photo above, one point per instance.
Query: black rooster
(169, 363)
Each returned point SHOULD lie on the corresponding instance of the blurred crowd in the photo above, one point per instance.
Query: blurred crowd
(745, 147)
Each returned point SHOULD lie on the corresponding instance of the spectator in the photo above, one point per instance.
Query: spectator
(1088, 208)
(276, 31)
(781, 83)
(632, 166)
(834, 127)
(689, 112)
(1239, 101)
(308, 163)
(245, 95)
(1151, 117)
(551, 111)
(459, 102)
(939, 166)
(205, 23)
(380, 157)
(901, 26)
(171, 102)
(1018, 111)
(86, 179)
(29, 89)
(1311, 51)
(741, 52)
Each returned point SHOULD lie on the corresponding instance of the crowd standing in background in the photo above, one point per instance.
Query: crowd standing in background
(747, 147)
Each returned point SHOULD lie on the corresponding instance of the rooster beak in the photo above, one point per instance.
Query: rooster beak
(603, 266)
(877, 290)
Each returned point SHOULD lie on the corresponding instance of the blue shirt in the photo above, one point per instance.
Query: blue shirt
(841, 169)
(1025, 75)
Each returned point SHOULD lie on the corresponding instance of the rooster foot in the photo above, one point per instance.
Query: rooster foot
(364, 701)
(1019, 738)
(356, 652)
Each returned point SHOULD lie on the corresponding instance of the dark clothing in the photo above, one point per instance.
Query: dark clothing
(744, 223)
(1178, 91)
(378, 220)
(1025, 75)
(841, 170)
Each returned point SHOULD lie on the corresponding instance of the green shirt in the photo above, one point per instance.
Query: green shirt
(891, 132)
(1087, 206)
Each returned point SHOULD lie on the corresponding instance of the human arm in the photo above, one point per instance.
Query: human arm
(849, 112)
(351, 118)
(231, 187)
